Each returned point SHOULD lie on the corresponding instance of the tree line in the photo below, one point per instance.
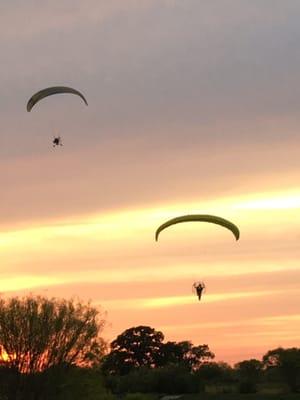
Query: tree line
(139, 360)
(53, 349)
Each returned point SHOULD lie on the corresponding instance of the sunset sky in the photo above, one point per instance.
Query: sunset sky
(194, 106)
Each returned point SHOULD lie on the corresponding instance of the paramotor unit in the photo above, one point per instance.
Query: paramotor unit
(199, 288)
(57, 141)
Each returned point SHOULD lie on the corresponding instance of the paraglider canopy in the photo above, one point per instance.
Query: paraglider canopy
(51, 91)
(200, 217)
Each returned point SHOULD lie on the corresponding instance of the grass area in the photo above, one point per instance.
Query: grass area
(238, 396)
(220, 396)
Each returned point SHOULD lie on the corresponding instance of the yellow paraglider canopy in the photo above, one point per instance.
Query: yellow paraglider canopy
(200, 217)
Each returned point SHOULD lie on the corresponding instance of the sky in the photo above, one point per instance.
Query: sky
(193, 107)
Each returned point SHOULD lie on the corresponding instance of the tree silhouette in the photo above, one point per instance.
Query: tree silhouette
(249, 370)
(136, 347)
(37, 333)
(143, 346)
(185, 354)
(287, 362)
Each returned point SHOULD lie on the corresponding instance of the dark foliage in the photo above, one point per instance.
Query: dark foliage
(143, 346)
(136, 347)
(286, 363)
